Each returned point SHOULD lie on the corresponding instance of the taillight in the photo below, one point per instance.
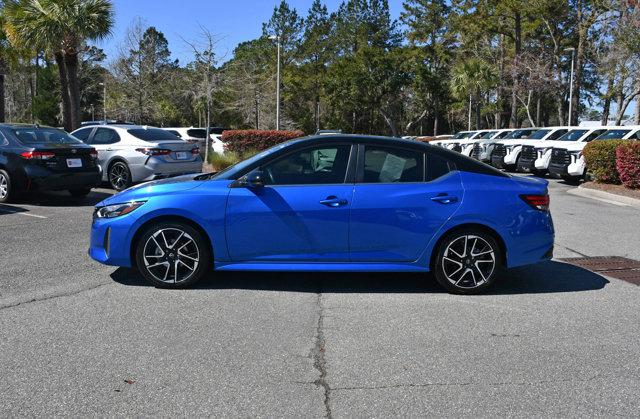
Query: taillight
(154, 151)
(93, 154)
(539, 202)
(195, 151)
(37, 155)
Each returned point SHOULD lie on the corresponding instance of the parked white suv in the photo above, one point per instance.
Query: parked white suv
(566, 160)
(483, 150)
(134, 153)
(458, 136)
(513, 147)
(535, 158)
(198, 136)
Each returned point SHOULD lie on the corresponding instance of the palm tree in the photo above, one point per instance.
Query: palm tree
(471, 79)
(61, 28)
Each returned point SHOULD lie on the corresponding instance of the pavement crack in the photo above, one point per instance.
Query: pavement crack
(53, 296)
(318, 355)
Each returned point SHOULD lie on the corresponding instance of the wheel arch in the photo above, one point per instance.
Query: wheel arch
(166, 218)
(492, 232)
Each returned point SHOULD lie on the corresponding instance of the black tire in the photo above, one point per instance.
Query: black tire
(189, 255)
(7, 192)
(119, 176)
(476, 274)
(572, 180)
(80, 192)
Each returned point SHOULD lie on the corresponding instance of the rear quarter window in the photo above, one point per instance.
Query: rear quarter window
(436, 167)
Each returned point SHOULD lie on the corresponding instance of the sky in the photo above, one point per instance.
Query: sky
(233, 21)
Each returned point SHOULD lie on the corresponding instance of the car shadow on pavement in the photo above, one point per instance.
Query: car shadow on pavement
(546, 277)
(62, 199)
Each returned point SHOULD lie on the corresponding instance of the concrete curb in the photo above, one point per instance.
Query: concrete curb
(605, 196)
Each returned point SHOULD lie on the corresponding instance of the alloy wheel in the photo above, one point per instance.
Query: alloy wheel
(469, 261)
(4, 186)
(171, 255)
(119, 176)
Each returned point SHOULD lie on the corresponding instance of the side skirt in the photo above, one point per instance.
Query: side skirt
(319, 267)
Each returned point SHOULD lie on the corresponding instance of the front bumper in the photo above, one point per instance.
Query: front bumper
(154, 169)
(578, 167)
(543, 160)
(108, 242)
(512, 156)
(525, 165)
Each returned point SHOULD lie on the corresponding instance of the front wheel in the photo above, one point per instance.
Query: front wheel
(172, 255)
(467, 261)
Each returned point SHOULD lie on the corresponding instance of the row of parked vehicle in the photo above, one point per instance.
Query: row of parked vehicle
(553, 151)
(33, 157)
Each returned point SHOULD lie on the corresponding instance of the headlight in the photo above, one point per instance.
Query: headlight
(117, 210)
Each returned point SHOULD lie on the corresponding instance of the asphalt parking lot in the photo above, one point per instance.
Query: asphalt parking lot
(78, 338)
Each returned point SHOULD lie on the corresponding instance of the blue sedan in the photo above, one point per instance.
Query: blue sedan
(331, 203)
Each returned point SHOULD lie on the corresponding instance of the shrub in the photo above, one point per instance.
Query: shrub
(601, 160)
(628, 163)
(222, 161)
(240, 141)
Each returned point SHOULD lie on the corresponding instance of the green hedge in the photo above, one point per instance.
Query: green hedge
(240, 141)
(600, 157)
(628, 163)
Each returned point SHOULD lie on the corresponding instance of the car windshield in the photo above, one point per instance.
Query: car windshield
(44, 136)
(539, 135)
(614, 134)
(152, 135)
(462, 135)
(486, 135)
(573, 135)
(519, 133)
(231, 171)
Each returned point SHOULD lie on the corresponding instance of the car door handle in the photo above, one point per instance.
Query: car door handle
(334, 201)
(445, 199)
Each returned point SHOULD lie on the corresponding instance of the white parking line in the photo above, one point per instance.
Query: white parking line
(21, 213)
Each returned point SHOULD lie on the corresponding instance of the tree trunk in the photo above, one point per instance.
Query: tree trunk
(500, 92)
(478, 114)
(64, 91)
(513, 120)
(435, 123)
(606, 107)
(71, 62)
(538, 110)
(2, 71)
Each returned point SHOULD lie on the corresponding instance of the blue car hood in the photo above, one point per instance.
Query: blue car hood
(157, 187)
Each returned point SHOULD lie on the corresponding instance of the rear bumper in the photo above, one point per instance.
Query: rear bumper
(40, 178)
(154, 169)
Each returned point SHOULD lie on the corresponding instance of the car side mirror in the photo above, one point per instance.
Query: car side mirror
(254, 180)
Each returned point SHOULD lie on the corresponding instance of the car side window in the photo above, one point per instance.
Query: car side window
(594, 135)
(105, 136)
(635, 136)
(392, 165)
(557, 134)
(436, 167)
(83, 134)
(312, 166)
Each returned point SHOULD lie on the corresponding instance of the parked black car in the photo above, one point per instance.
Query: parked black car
(44, 158)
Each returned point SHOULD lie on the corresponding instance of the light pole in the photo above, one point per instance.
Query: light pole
(104, 100)
(277, 39)
(573, 51)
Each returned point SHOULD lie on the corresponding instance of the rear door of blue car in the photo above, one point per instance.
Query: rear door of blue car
(302, 212)
(402, 197)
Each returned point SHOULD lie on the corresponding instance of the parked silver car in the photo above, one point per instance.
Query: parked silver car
(134, 153)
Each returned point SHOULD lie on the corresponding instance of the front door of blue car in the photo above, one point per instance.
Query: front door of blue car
(402, 198)
(300, 214)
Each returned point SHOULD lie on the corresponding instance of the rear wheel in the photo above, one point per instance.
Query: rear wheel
(467, 261)
(6, 189)
(80, 192)
(172, 255)
(119, 176)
